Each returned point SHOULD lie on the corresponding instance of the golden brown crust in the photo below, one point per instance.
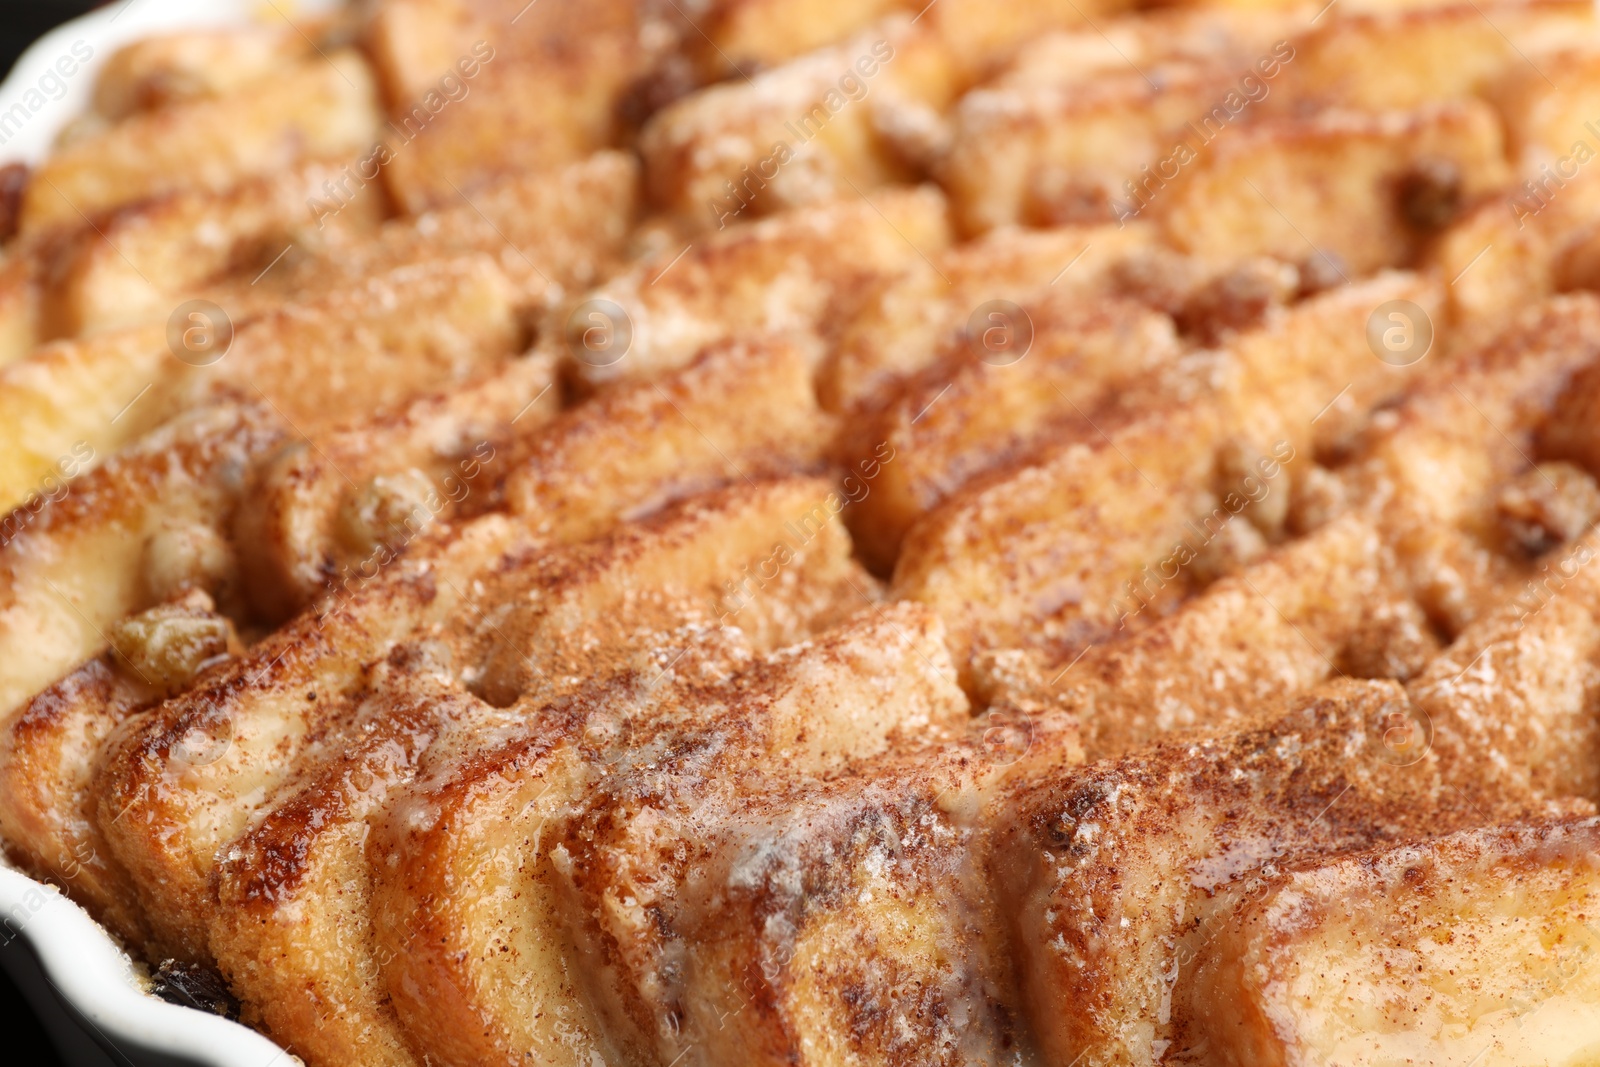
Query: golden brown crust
(52, 746)
(1450, 50)
(787, 274)
(1237, 528)
(46, 759)
(976, 410)
(906, 320)
(57, 406)
(322, 507)
(1114, 874)
(149, 523)
(291, 928)
(1445, 529)
(181, 780)
(548, 232)
(1471, 944)
(741, 410)
(316, 108)
(1345, 170)
(1278, 627)
(107, 275)
(160, 71)
(397, 334)
(791, 136)
(638, 783)
(467, 99)
(452, 957)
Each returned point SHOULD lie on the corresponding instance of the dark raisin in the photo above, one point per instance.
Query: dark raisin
(672, 79)
(1546, 506)
(1062, 199)
(1429, 194)
(1237, 300)
(13, 182)
(193, 986)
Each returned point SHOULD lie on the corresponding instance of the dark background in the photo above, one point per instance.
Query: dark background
(18, 1024)
(20, 24)
(22, 21)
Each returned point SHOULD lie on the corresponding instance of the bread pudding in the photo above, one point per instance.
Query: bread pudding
(1031, 533)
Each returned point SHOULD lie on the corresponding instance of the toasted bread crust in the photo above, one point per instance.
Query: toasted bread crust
(812, 533)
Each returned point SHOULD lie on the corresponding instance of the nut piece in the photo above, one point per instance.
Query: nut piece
(167, 646)
(389, 511)
(1247, 472)
(1397, 642)
(1547, 506)
(1015, 677)
(917, 134)
(1317, 497)
(1231, 549)
(184, 556)
(1320, 271)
